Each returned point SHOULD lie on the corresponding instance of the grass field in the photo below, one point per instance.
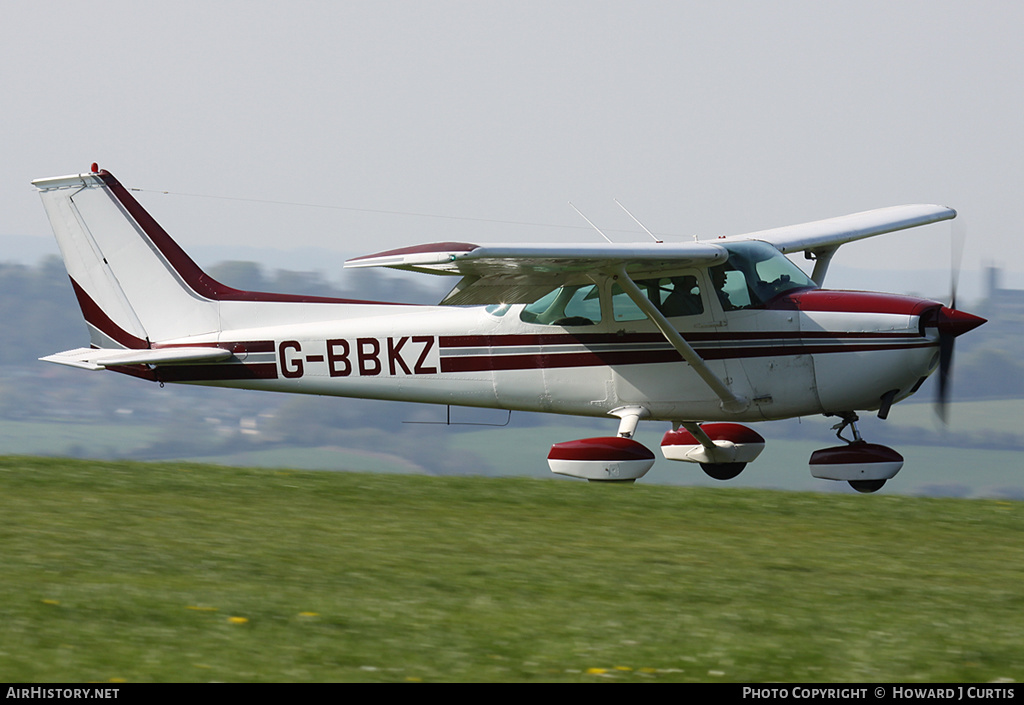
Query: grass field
(173, 572)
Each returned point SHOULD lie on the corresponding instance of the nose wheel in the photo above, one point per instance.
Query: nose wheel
(865, 466)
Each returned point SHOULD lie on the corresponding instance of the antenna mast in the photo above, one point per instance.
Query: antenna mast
(637, 221)
(591, 224)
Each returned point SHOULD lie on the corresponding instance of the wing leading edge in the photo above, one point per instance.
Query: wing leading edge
(830, 233)
(524, 273)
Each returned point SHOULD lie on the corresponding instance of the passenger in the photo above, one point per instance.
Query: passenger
(684, 299)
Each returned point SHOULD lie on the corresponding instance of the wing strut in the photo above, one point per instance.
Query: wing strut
(730, 402)
(822, 257)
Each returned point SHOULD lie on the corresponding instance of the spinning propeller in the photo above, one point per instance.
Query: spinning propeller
(951, 322)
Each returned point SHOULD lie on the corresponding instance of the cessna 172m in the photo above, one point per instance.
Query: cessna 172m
(703, 334)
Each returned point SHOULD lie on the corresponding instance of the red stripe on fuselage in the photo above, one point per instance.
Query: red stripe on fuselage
(554, 359)
(199, 373)
(214, 372)
(514, 340)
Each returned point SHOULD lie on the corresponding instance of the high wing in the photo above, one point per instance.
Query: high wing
(820, 239)
(524, 273)
(828, 234)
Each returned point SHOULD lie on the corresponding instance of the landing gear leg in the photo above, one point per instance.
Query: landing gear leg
(629, 417)
(848, 419)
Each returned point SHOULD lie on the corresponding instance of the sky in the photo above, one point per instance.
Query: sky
(401, 122)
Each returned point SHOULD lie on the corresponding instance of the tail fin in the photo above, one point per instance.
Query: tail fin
(134, 284)
(137, 287)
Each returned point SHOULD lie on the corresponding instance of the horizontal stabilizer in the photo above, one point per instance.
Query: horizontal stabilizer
(102, 358)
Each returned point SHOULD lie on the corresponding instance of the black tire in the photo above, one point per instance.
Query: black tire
(867, 486)
(723, 471)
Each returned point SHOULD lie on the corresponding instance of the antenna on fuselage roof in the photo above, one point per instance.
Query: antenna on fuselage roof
(588, 221)
(637, 221)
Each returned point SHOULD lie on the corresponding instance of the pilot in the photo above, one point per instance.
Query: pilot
(718, 277)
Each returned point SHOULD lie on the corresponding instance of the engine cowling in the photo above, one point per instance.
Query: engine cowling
(606, 459)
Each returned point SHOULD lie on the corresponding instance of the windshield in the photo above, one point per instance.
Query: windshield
(754, 275)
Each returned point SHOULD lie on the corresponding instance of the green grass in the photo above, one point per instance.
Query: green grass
(168, 572)
(315, 458)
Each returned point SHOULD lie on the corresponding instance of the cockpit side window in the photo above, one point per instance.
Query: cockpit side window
(731, 287)
(754, 275)
(566, 306)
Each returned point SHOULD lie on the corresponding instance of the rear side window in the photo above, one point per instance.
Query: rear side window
(566, 306)
(673, 296)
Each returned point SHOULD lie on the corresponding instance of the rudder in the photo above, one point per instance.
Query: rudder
(131, 279)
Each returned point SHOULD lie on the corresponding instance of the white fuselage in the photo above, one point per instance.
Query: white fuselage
(805, 356)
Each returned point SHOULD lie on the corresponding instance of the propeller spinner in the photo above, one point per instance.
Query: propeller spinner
(951, 324)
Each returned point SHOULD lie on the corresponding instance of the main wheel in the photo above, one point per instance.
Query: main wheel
(867, 486)
(723, 471)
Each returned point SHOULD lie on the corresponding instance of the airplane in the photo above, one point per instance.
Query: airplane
(706, 335)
